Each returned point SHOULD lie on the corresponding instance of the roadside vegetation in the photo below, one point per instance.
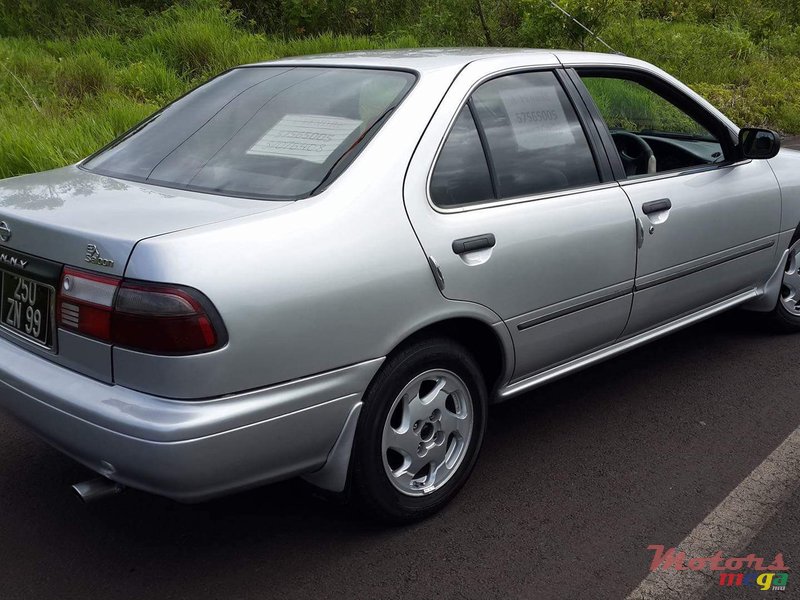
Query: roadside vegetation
(76, 73)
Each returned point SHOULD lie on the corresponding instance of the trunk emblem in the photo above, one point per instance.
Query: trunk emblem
(92, 255)
(13, 261)
(5, 231)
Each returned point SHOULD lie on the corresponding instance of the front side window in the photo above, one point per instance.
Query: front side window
(517, 136)
(259, 132)
(651, 134)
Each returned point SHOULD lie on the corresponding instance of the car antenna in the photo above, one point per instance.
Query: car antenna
(584, 27)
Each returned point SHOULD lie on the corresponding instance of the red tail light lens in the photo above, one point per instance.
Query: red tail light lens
(153, 318)
(161, 319)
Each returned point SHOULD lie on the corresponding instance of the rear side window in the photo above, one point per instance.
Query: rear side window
(533, 142)
(260, 132)
(534, 138)
(461, 175)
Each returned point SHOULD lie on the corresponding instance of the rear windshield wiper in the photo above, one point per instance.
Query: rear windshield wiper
(334, 170)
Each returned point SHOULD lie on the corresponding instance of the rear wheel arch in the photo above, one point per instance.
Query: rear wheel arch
(476, 336)
(493, 355)
(411, 456)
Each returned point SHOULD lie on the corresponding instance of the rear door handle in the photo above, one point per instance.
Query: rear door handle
(476, 242)
(656, 206)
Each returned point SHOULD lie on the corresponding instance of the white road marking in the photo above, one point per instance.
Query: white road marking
(731, 526)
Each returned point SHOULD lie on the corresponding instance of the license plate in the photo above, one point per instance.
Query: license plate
(27, 308)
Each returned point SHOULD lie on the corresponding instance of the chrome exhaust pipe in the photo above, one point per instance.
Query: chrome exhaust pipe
(97, 489)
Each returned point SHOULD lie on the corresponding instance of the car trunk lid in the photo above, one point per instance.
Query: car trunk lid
(91, 221)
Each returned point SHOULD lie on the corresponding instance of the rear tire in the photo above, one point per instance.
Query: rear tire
(419, 432)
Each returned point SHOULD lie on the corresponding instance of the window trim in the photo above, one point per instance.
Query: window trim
(667, 91)
(589, 127)
(525, 199)
(606, 176)
(487, 150)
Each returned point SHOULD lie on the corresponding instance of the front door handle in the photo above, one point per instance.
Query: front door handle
(656, 206)
(476, 242)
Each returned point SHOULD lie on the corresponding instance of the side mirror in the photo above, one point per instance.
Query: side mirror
(759, 143)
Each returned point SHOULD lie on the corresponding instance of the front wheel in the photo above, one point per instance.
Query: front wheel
(420, 431)
(786, 314)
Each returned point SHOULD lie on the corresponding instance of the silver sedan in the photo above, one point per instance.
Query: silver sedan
(330, 266)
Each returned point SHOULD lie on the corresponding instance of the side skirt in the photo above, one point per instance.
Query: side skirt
(619, 347)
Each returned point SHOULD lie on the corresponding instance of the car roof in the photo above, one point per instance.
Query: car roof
(428, 59)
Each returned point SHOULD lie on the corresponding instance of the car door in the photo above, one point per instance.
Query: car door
(708, 222)
(515, 212)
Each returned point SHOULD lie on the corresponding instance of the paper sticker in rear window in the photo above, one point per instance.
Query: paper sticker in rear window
(305, 137)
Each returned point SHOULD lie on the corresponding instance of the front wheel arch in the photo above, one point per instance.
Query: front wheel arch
(796, 235)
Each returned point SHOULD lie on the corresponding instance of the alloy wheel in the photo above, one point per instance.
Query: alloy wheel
(790, 291)
(427, 432)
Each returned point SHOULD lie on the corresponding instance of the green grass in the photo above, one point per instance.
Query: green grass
(752, 84)
(628, 105)
(90, 90)
(74, 75)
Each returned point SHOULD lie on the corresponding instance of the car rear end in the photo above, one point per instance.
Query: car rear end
(67, 308)
(127, 369)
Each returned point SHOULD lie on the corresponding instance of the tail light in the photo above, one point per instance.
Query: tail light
(150, 317)
(85, 303)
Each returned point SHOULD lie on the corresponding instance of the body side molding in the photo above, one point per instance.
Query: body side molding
(621, 346)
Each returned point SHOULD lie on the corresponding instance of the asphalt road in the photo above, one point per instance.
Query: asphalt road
(575, 481)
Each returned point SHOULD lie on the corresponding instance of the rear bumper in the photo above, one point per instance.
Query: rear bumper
(186, 450)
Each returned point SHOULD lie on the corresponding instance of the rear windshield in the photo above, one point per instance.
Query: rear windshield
(259, 132)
